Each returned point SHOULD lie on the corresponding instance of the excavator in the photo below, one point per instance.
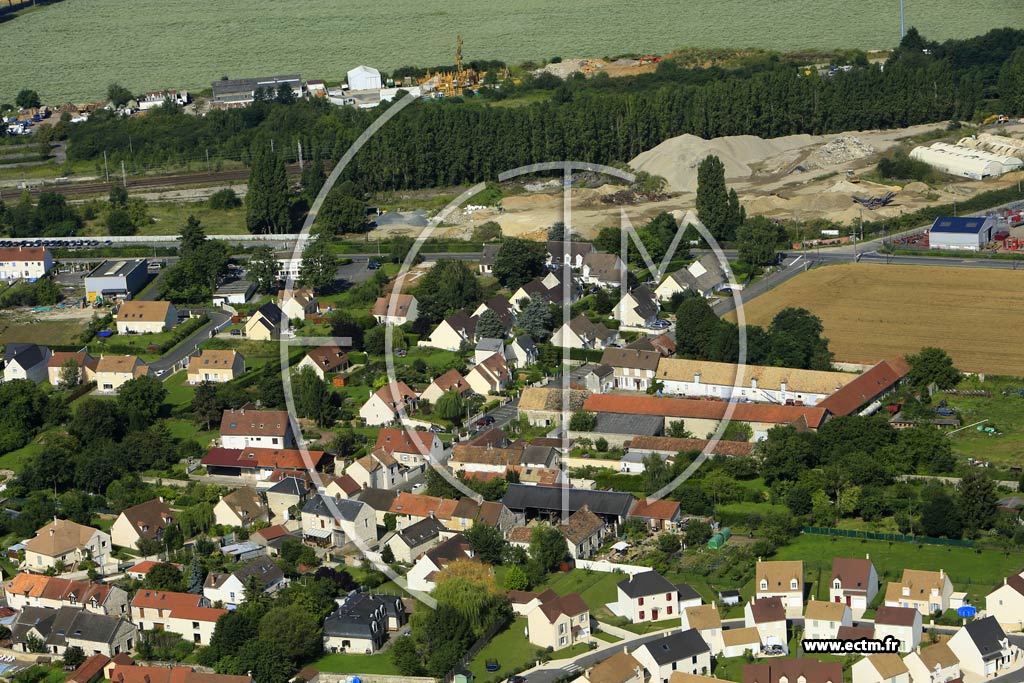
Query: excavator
(996, 118)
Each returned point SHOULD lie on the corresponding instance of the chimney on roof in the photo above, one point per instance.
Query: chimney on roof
(942, 573)
(1004, 580)
(867, 556)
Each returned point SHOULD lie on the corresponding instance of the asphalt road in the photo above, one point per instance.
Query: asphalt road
(218, 321)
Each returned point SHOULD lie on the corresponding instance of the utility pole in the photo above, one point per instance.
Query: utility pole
(271, 144)
(124, 175)
(903, 23)
(208, 160)
(106, 171)
(299, 143)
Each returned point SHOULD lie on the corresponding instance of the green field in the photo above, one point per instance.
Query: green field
(357, 664)
(1005, 413)
(234, 35)
(970, 570)
(48, 331)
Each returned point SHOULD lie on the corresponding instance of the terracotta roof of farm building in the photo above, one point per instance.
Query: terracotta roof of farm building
(669, 444)
(264, 458)
(146, 566)
(618, 668)
(484, 455)
(520, 534)
(170, 674)
(466, 508)
(144, 311)
(703, 617)
(151, 599)
(58, 537)
(423, 506)
(91, 669)
(396, 305)
(866, 387)
(404, 441)
(728, 374)
(249, 422)
(713, 410)
(655, 509)
(822, 609)
(19, 254)
(56, 588)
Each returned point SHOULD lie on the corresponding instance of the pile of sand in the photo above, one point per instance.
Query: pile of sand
(841, 150)
(677, 159)
(916, 187)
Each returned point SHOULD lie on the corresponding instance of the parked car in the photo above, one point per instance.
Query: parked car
(492, 665)
(373, 265)
(485, 421)
(437, 429)
(661, 324)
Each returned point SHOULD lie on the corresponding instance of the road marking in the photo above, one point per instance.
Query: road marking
(572, 667)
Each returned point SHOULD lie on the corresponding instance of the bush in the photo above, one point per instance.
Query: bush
(901, 167)
(224, 199)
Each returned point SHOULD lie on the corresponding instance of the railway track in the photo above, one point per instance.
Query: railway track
(135, 184)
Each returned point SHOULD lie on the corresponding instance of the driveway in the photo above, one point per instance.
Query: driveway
(218, 321)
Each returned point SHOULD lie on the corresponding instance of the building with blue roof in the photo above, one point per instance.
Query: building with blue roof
(965, 233)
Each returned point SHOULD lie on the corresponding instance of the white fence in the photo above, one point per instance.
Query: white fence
(611, 567)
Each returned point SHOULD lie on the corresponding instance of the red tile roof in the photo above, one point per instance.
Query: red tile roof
(669, 444)
(868, 386)
(91, 669)
(655, 509)
(710, 410)
(21, 254)
(423, 506)
(404, 441)
(249, 422)
(570, 605)
(264, 458)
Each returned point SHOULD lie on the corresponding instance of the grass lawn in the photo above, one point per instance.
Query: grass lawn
(606, 637)
(169, 217)
(596, 588)
(1005, 413)
(971, 570)
(186, 429)
(56, 332)
(15, 460)
(357, 664)
(179, 393)
(728, 668)
(651, 626)
(510, 648)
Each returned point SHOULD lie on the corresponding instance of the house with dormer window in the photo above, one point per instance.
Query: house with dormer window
(781, 579)
(143, 521)
(854, 583)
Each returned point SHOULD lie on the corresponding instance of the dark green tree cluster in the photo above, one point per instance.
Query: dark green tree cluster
(518, 261)
(51, 216)
(267, 199)
(758, 240)
(717, 207)
(25, 409)
(793, 340)
(202, 263)
(932, 366)
(447, 287)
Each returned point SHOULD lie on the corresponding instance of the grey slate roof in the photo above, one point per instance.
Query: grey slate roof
(986, 634)
(520, 497)
(421, 532)
(56, 625)
(686, 592)
(633, 425)
(26, 355)
(378, 499)
(271, 312)
(676, 647)
(292, 486)
(646, 583)
(323, 506)
(360, 616)
(262, 567)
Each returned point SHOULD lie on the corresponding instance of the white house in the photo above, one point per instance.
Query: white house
(603, 269)
(411, 541)
(240, 508)
(633, 369)
(449, 381)
(296, 303)
(647, 596)
(452, 332)
(24, 262)
(1006, 602)
(902, 623)
(63, 544)
(822, 620)
(707, 620)
(706, 379)
(324, 360)
(637, 308)
(420, 577)
(215, 365)
(114, 371)
(932, 664)
(83, 361)
(854, 582)
(189, 615)
(387, 403)
(145, 317)
(705, 276)
(737, 642)
(580, 333)
(682, 651)
(377, 469)
(229, 589)
(782, 579)
(926, 591)
(489, 376)
(396, 309)
(26, 361)
(982, 648)
(768, 616)
(559, 622)
(881, 668)
(249, 428)
(410, 447)
(338, 522)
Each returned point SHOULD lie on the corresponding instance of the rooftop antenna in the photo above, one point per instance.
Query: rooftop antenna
(903, 24)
